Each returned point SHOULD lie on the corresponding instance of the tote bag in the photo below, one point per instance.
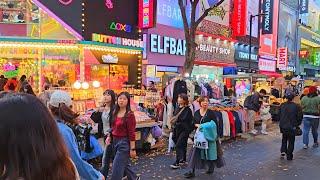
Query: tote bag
(200, 141)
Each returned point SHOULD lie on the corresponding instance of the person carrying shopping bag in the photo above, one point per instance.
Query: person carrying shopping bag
(196, 160)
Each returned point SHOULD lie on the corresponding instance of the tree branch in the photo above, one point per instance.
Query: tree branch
(206, 12)
(184, 17)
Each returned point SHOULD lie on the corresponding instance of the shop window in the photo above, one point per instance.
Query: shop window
(110, 76)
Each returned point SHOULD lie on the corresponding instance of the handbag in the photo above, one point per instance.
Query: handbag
(174, 119)
(200, 141)
(297, 131)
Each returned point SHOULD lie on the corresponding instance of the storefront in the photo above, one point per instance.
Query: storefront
(212, 55)
(241, 57)
(309, 53)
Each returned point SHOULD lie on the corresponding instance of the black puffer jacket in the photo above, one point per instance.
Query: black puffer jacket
(290, 116)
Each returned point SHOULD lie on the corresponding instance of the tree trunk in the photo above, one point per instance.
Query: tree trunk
(190, 53)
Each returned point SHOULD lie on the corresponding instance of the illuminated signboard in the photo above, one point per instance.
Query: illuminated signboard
(66, 12)
(65, 2)
(282, 61)
(116, 40)
(109, 4)
(168, 13)
(267, 8)
(121, 27)
(239, 18)
(267, 65)
(111, 18)
(167, 45)
(146, 13)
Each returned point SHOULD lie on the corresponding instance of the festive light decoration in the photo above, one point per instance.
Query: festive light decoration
(96, 84)
(85, 85)
(77, 85)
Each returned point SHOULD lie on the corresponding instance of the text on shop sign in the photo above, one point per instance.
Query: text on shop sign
(167, 45)
(213, 49)
(282, 62)
(117, 40)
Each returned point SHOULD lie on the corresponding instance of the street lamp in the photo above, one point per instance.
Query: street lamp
(250, 35)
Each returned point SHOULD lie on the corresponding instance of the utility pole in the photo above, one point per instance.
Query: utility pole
(250, 36)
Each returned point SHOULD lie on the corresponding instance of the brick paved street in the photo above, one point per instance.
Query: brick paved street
(253, 158)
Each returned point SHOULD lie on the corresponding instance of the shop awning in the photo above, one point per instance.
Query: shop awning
(213, 63)
(247, 75)
(271, 74)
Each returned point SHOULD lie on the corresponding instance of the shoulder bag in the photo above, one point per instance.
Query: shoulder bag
(174, 119)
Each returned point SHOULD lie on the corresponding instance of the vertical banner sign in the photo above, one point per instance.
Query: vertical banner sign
(282, 62)
(267, 9)
(146, 13)
(239, 18)
(304, 6)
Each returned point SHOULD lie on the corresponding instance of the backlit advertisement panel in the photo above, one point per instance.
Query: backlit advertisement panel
(287, 30)
(239, 18)
(168, 13)
(252, 9)
(219, 14)
(268, 42)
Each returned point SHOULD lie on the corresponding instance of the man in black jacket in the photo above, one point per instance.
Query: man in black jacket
(290, 119)
(253, 106)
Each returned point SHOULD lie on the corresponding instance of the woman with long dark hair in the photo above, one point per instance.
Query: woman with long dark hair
(183, 126)
(31, 146)
(60, 105)
(103, 116)
(123, 133)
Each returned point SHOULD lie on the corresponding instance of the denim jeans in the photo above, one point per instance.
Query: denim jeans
(106, 160)
(120, 166)
(308, 123)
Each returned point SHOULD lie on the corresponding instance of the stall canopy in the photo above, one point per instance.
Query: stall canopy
(270, 74)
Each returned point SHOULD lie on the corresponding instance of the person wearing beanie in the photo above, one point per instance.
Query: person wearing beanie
(311, 114)
(60, 106)
(304, 93)
(290, 118)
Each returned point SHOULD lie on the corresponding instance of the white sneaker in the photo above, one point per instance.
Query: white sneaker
(254, 132)
(305, 146)
(264, 132)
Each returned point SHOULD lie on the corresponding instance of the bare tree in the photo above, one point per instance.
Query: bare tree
(190, 29)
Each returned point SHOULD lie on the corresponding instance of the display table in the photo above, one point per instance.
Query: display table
(143, 132)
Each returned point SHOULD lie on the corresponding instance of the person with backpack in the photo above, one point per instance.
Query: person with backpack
(290, 120)
(252, 104)
(60, 106)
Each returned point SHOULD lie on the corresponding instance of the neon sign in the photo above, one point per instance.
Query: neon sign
(109, 4)
(65, 2)
(117, 40)
(121, 27)
(146, 13)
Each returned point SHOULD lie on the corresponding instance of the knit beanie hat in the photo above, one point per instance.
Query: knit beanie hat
(305, 91)
(312, 89)
(58, 97)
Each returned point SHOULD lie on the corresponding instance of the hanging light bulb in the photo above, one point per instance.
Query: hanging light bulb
(85, 85)
(77, 85)
(96, 84)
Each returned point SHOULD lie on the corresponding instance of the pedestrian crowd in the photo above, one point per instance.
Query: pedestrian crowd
(39, 136)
